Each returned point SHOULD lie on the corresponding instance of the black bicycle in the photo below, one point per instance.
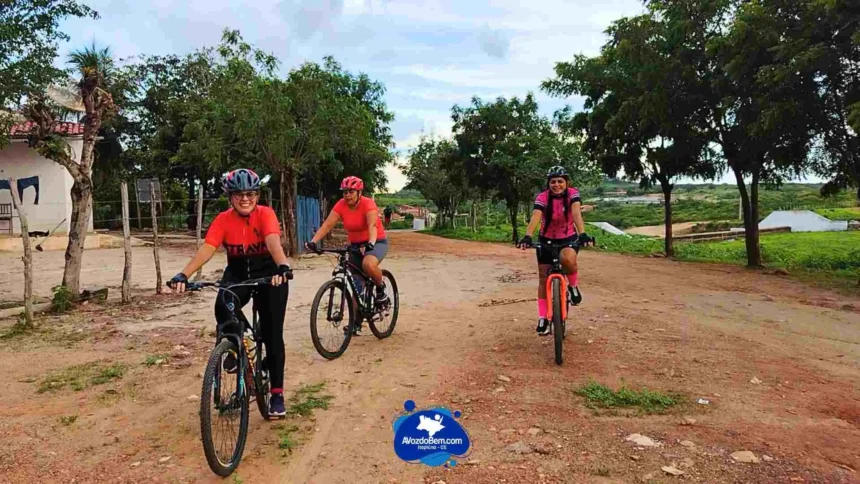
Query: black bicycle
(350, 299)
(558, 304)
(239, 357)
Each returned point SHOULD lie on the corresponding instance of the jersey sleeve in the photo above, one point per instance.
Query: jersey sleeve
(540, 201)
(574, 195)
(215, 234)
(269, 223)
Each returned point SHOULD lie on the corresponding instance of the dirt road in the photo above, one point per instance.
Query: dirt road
(467, 317)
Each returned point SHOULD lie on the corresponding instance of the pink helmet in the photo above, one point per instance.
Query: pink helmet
(352, 183)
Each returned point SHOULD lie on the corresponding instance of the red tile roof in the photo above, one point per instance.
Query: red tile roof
(68, 129)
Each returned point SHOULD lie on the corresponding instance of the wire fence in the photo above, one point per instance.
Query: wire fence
(172, 215)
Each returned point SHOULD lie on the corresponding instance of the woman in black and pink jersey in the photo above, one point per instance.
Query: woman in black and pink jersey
(557, 210)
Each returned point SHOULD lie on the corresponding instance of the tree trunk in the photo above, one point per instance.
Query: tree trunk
(752, 234)
(155, 238)
(750, 224)
(288, 212)
(512, 208)
(126, 236)
(28, 254)
(667, 203)
(82, 199)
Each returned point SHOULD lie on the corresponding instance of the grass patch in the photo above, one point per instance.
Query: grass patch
(79, 377)
(62, 300)
(308, 398)
(491, 233)
(20, 328)
(600, 396)
(286, 439)
(840, 213)
(68, 420)
(154, 360)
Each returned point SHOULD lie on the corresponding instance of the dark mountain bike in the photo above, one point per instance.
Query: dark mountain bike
(348, 299)
(224, 404)
(556, 293)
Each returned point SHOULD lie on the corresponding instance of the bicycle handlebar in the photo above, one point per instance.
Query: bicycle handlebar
(196, 286)
(574, 243)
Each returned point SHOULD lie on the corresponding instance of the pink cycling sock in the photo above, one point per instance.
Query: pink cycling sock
(573, 278)
(542, 308)
(276, 391)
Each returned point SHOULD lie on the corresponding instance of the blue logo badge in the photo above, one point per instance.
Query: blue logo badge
(430, 436)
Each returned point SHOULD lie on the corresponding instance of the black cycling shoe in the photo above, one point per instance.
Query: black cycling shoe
(543, 327)
(574, 295)
(382, 299)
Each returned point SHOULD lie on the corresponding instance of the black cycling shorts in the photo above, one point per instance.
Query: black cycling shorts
(544, 254)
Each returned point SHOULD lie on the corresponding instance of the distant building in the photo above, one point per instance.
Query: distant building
(802, 221)
(44, 185)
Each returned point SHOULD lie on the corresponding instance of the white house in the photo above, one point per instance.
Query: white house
(43, 184)
(802, 221)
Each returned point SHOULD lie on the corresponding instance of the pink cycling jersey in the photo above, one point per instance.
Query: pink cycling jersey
(561, 226)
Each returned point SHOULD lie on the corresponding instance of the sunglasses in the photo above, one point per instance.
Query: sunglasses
(349, 190)
(247, 195)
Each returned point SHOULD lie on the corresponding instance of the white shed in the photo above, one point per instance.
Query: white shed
(802, 221)
(44, 185)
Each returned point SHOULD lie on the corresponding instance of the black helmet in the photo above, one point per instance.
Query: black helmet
(241, 180)
(556, 171)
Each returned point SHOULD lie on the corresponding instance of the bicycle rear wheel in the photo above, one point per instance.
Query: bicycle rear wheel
(388, 317)
(223, 411)
(336, 327)
(557, 321)
(262, 384)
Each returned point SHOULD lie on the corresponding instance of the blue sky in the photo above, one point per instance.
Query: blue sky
(430, 54)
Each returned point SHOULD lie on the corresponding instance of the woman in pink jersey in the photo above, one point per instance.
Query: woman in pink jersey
(557, 211)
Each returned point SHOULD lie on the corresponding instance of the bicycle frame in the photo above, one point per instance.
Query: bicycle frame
(244, 364)
(349, 271)
(557, 272)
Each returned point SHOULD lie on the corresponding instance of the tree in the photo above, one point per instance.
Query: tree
(506, 147)
(291, 126)
(95, 67)
(29, 38)
(826, 38)
(365, 160)
(168, 138)
(432, 169)
(762, 121)
(636, 94)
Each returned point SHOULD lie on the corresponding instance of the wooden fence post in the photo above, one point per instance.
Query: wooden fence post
(155, 238)
(126, 235)
(28, 254)
(199, 228)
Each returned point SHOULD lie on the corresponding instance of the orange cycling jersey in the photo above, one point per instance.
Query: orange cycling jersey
(244, 239)
(355, 220)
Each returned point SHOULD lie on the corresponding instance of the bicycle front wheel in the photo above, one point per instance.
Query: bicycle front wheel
(387, 317)
(224, 410)
(331, 319)
(557, 321)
